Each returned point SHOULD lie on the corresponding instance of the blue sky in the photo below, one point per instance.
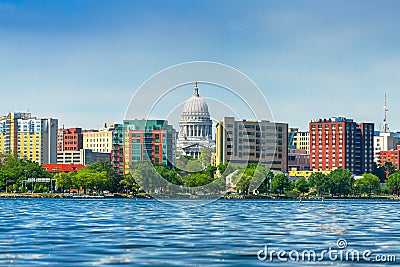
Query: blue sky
(81, 61)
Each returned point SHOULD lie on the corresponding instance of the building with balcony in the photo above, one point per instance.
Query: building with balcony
(29, 137)
(117, 151)
(148, 140)
(341, 143)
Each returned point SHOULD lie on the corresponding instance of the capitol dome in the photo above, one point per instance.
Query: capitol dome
(195, 106)
(195, 126)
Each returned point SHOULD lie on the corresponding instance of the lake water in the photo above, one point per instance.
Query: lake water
(87, 232)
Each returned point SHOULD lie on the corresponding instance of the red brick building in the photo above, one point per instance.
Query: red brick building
(70, 139)
(392, 156)
(341, 143)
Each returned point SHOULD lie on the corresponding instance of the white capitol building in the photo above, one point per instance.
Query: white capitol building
(195, 126)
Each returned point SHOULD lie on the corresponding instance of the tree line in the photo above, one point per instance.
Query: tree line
(198, 175)
(16, 176)
(94, 178)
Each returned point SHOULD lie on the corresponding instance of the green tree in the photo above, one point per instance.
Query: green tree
(302, 186)
(114, 179)
(197, 179)
(249, 177)
(147, 177)
(17, 170)
(380, 172)
(80, 179)
(99, 181)
(63, 181)
(342, 182)
(320, 182)
(393, 183)
(129, 183)
(242, 181)
(194, 166)
(223, 166)
(261, 178)
(206, 156)
(368, 184)
(279, 183)
(169, 174)
(6, 175)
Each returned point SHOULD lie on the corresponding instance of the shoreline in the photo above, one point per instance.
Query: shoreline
(145, 196)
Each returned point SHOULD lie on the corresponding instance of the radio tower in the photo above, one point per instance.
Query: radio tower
(385, 124)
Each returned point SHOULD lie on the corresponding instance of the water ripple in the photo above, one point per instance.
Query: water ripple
(110, 232)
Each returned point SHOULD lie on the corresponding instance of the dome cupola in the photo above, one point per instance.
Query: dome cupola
(195, 106)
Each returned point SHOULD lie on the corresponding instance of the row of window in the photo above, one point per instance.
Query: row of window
(97, 140)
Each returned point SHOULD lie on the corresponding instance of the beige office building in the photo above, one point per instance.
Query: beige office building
(99, 140)
(242, 142)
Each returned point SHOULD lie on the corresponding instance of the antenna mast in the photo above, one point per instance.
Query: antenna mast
(385, 124)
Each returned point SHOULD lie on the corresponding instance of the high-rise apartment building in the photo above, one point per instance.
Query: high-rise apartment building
(242, 142)
(341, 143)
(148, 139)
(29, 137)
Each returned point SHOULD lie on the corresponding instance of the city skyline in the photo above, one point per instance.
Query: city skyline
(81, 62)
